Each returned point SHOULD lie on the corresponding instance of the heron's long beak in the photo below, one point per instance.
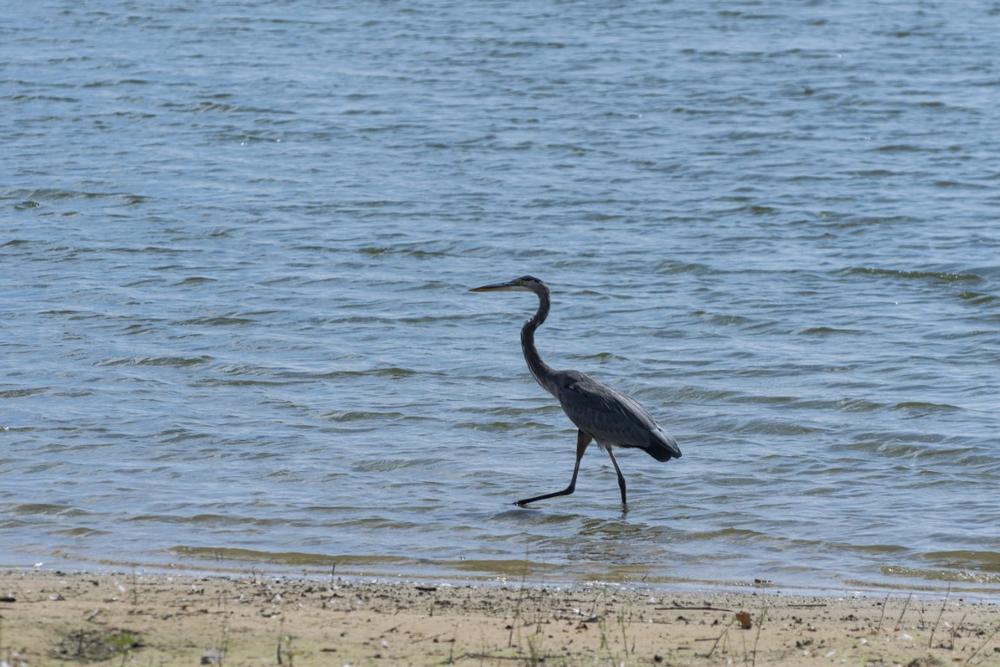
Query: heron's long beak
(495, 287)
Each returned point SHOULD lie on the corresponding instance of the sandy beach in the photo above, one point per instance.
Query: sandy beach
(56, 618)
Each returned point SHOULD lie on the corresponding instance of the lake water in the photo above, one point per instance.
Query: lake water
(236, 240)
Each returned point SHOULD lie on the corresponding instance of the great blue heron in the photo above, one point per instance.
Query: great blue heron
(599, 412)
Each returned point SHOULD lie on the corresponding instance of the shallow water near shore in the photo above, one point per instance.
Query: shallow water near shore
(237, 241)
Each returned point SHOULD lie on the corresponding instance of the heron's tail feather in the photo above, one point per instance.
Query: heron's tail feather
(662, 446)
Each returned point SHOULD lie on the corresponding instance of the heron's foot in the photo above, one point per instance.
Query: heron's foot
(565, 492)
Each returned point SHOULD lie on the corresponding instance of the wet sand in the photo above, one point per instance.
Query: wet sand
(54, 618)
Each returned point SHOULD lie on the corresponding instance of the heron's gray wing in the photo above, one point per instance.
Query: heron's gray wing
(604, 413)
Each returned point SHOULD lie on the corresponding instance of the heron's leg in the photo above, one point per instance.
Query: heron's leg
(582, 440)
(621, 480)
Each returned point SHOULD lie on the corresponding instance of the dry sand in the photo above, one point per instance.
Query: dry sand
(128, 619)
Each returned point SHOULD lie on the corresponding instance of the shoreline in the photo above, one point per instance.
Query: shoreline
(136, 618)
(234, 562)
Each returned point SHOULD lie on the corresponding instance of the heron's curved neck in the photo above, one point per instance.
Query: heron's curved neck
(541, 371)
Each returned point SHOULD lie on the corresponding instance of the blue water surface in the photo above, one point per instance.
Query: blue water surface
(236, 240)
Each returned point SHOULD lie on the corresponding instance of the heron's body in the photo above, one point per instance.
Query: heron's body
(599, 412)
(612, 418)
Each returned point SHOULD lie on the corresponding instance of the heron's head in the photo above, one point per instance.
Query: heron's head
(524, 283)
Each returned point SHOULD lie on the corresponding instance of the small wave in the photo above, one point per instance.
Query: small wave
(857, 405)
(136, 329)
(360, 415)
(246, 369)
(388, 465)
(976, 298)
(430, 319)
(723, 320)
(48, 508)
(842, 404)
(155, 361)
(156, 249)
(597, 356)
(279, 376)
(702, 394)
(196, 280)
(899, 148)
(867, 220)
(283, 557)
(873, 173)
(207, 106)
(943, 276)
(225, 382)
(107, 83)
(958, 184)
(39, 98)
(82, 532)
(392, 372)
(501, 426)
(699, 111)
(598, 216)
(985, 561)
(419, 253)
(219, 321)
(672, 267)
(21, 393)
(747, 16)
(829, 331)
(964, 456)
(210, 519)
(964, 576)
(173, 435)
(766, 400)
(513, 412)
(377, 523)
(501, 567)
(919, 406)
(773, 427)
(56, 194)
(70, 313)
(724, 533)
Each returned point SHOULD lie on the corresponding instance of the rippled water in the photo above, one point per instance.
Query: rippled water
(236, 240)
